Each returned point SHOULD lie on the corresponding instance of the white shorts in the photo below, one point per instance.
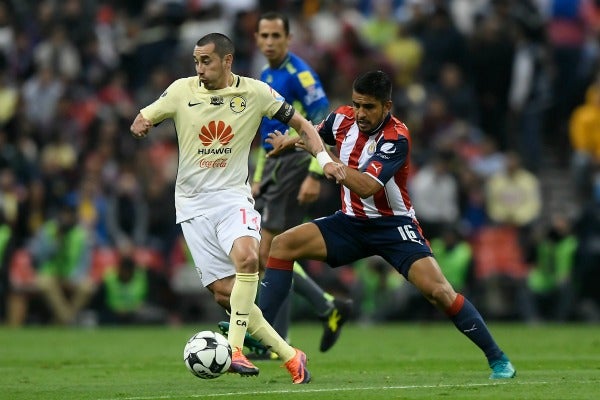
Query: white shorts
(210, 237)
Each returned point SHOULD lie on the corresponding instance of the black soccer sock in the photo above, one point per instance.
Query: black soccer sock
(468, 320)
(305, 286)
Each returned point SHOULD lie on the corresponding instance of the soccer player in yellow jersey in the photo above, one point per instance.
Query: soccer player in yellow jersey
(216, 115)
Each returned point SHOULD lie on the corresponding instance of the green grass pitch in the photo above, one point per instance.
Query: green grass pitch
(391, 361)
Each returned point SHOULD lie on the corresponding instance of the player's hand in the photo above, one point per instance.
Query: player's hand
(140, 127)
(280, 142)
(334, 170)
(309, 190)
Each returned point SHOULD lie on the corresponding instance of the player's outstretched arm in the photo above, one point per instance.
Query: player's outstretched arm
(281, 142)
(140, 126)
(314, 145)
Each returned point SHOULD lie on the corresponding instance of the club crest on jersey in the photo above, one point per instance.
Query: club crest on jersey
(216, 100)
(237, 104)
(371, 148)
(374, 168)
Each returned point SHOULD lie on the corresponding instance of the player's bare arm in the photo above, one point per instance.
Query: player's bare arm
(312, 141)
(140, 126)
(332, 169)
(360, 183)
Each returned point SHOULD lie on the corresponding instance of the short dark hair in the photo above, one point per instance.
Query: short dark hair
(374, 83)
(273, 15)
(223, 45)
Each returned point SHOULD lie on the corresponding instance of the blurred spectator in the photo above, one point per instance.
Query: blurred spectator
(513, 196)
(61, 251)
(550, 280)
(514, 200)
(472, 201)
(124, 293)
(529, 95)
(566, 35)
(160, 78)
(9, 96)
(162, 232)
(351, 57)
(405, 54)
(57, 53)
(127, 211)
(491, 59)
(307, 45)
(10, 196)
(436, 123)
(6, 251)
(586, 273)
(434, 192)
(455, 256)
(41, 94)
(442, 44)
(379, 28)
(59, 155)
(457, 93)
(383, 294)
(490, 161)
(584, 135)
(91, 206)
(34, 211)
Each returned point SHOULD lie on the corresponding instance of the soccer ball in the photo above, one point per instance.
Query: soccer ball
(207, 355)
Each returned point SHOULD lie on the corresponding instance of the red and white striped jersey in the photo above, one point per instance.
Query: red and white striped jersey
(384, 155)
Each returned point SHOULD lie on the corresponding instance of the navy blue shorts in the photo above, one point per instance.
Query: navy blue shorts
(397, 239)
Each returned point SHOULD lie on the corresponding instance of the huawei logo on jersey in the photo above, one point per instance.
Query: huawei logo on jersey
(215, 130)
(374, 168)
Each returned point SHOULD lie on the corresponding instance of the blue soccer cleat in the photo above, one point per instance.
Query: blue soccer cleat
(502, 369)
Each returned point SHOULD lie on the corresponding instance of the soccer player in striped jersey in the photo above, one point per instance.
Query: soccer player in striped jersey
(377, 217)
(216, 115)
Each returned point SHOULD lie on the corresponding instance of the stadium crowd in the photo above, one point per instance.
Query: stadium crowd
(498, 95)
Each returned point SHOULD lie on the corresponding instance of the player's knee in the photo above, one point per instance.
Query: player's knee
(442, 295)
(279, 246)
(248, 264)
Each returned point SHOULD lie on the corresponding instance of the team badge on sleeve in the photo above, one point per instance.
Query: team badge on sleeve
(374, 168)
(388, 148)
(276, 95)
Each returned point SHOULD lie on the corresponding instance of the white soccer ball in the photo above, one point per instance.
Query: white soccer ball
(207, 354)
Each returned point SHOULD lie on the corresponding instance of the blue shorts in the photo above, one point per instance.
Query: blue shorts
(396, 239)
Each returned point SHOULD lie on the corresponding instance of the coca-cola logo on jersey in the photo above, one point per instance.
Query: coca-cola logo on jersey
(218, 163)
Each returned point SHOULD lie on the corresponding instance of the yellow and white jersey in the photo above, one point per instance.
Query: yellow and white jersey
(215, 129)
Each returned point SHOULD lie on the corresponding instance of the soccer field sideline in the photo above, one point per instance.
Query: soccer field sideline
(307, 389)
